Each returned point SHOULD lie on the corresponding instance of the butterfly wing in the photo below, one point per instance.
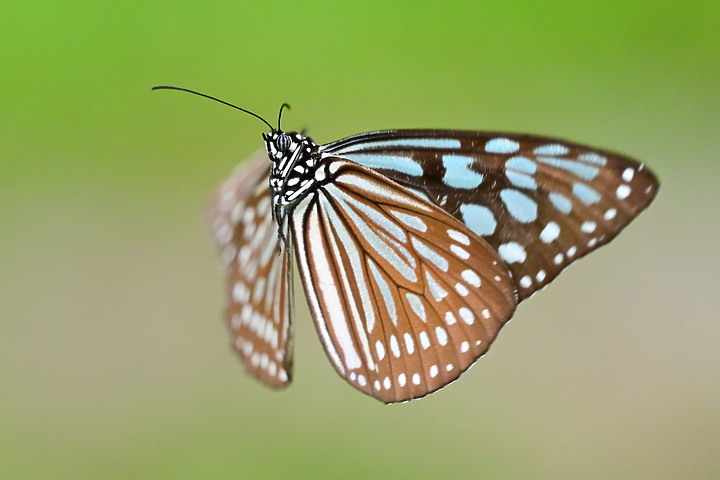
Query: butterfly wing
(258, 286)
(542, 203)
(404, 296)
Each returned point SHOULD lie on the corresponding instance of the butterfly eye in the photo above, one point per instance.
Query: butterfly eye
(283, 142)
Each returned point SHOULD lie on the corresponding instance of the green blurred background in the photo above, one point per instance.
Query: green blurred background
(114, 360)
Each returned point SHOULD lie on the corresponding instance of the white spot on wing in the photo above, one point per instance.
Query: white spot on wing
(550, 232)
(460, 252)
(623, 191)
(380, 348)
(461, 289)
(467, 315)
(471, 277)
(436, 290)
(512, 252)
(424, 340)
(409, 343)
(459, 237)
(441, 335)
(628, 174)
(588, 227)
(394, 346)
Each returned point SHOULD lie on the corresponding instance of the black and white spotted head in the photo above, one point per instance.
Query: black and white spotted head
(281, 145)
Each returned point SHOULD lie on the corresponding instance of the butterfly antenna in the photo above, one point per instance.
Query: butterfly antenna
(168, 87)
(283, 106)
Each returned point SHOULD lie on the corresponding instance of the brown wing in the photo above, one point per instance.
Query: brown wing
(404, 296)
(258, 286)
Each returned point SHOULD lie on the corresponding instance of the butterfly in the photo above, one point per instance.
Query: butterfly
(414, 247)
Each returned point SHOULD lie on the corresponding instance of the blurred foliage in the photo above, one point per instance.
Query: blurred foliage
(114, 362)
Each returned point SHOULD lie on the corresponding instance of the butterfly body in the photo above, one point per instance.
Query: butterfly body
(414, 246)
(294, 160)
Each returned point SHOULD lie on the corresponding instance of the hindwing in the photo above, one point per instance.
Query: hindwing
(258, 308)
(404, 296)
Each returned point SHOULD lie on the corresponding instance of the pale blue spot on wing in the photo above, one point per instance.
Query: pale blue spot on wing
(389, 162)
(593, 158)
(384, 291)
(426, 142)
(417, 305)
(520, 206)
(561, 202)
(551, 149)
(521, 180)
(410, 220)
(580, 170)
(502, 145)
(586, 194)
(521, 164)
(479, 219)
(458, 173)
(429, 254)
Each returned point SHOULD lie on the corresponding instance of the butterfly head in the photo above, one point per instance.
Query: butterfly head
(282, 146)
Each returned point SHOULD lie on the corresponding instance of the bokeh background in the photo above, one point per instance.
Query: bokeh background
(114, 359)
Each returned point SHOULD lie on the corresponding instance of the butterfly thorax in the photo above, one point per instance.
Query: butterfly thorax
(293, 174)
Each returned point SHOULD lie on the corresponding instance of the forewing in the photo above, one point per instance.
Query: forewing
(542, 203)
(404, 296)
(258, 286)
